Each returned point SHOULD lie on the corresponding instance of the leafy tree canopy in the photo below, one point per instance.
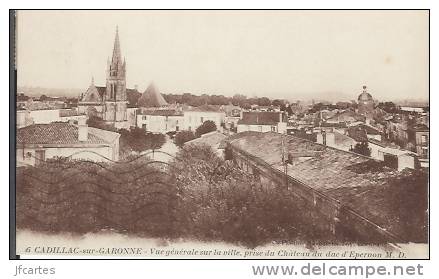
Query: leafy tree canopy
(207, 127)
(182, 137)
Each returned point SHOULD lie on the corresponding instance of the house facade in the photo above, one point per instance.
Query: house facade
(160, 120)
(419, 135)
(196, 116)
(266, 121)
(392, 155)
(38, 142)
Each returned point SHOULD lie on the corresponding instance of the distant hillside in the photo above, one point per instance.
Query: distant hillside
(52, 92)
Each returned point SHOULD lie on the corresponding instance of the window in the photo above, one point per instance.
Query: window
(201, 119)
(424, 151)
(424, 139)
(273, 128)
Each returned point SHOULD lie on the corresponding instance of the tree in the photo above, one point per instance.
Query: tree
(97, 122)
(238, 99)
(278, 103)
(264, 101)
(361, 148)
(183, 136)
(206, 127)
(137, 140)
(389, 107)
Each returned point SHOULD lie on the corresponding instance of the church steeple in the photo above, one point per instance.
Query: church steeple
(117, 57)
(116, 68)
(116, 82)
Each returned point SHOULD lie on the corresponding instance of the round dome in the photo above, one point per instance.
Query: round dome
(365, 96)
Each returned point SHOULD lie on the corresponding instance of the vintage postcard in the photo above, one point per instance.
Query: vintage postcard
(293, 134)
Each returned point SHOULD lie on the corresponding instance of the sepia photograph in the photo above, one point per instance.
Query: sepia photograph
(222, 134)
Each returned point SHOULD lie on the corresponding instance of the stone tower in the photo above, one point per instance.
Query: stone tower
(115, 95)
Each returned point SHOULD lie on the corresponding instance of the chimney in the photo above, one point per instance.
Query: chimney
(136, 87)
(82, 130)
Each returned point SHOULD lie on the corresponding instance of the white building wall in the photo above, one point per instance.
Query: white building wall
(282, 127)
(76, 118)
(23, 118)
(45, 116)
(375, 137)
(279, 128)
(406, 161)
(132, 117)
(376, 151)
(27, 155)
(52, 115)
(160, 123)
(194, 119)
(256, 128)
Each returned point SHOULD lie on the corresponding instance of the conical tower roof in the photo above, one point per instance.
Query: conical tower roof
(151, 98)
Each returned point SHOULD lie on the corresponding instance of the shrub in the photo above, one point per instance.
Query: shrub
(77, 196)
(220, 202)
(207, 127)
(362, 148)
(182, 137)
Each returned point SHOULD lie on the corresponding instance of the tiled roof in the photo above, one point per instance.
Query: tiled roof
(369, 129)
(68, 112)
(96, 94)
(160, 112)
(341, 139)
(206, 108)
(213, 139)
(335, 125)
(260, 118)
(346, 115)
(60, 133)
(342, 175)
(420, 127)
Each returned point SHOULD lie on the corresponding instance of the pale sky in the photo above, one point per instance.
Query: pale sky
(279, 54)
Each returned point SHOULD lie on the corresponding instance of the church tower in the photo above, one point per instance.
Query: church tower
(115, 95)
